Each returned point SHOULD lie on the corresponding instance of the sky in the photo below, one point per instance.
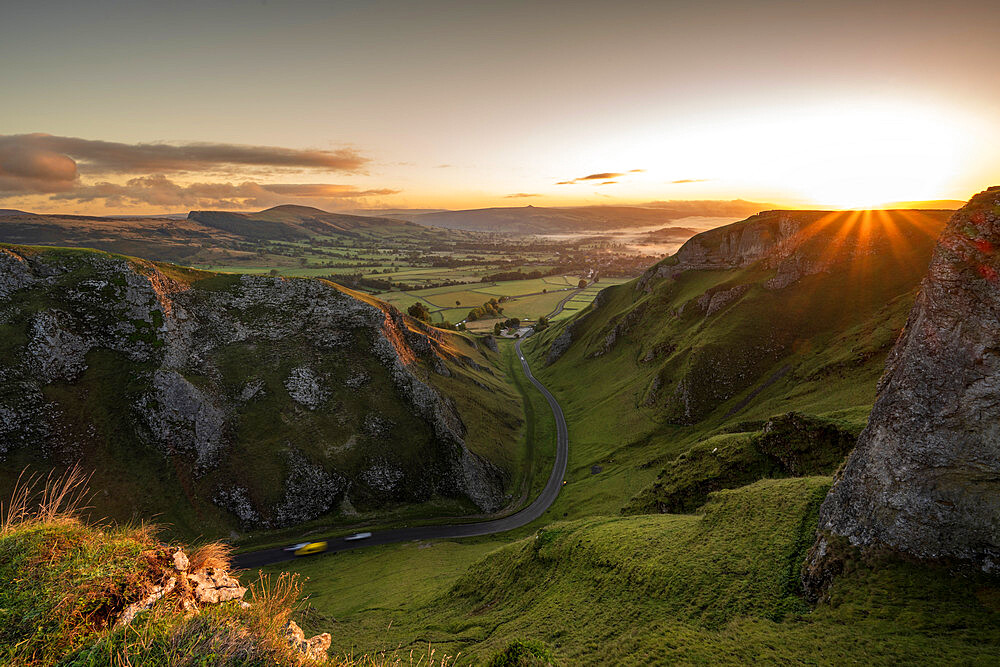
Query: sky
(156, 107)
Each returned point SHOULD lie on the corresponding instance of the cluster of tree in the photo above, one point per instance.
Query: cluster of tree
(359, 281)
(542, 323)
(419, 311)
(491, 308)
(518, 275)
(450, 262)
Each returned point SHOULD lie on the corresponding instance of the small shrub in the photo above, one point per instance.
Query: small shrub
(521, 653)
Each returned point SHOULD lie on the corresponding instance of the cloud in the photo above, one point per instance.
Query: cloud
(40, 163)
(602, 176)
(519, 195)
(689, 180)
(608, 183)
(28, 169)
(158, 190)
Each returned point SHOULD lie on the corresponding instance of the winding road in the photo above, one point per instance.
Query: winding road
(252, 559)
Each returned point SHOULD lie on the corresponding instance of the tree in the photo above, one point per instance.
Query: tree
(457, 302)
(496, 329)
(461, 326)
(542, 323)
(419, 311)
(582, 283)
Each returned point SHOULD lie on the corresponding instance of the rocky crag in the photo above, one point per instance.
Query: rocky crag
(924, 478)
(218, 400)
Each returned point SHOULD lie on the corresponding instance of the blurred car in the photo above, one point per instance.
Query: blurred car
(357, 536)
(307, 548)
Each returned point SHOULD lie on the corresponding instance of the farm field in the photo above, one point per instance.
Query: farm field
(524, 299)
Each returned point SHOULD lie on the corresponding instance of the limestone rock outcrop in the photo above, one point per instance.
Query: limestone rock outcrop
(240, 389)
(924, 478)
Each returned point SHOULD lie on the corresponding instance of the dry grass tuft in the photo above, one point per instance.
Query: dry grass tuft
(214, 555)
(414, 658)
(48, 499)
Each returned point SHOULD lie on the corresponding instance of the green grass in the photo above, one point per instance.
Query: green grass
(716, 587)
(64, 586)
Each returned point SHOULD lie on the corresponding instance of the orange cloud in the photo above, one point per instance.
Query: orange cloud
(602, 176)
(159, 190)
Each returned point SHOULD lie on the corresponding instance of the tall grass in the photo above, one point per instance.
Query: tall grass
(48, 499)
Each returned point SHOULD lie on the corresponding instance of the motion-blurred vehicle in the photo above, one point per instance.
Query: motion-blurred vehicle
(357, 536)
(307, 548)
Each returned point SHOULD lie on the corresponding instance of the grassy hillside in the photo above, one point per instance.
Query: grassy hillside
(217, 404)
(720, 586)
(787, 311)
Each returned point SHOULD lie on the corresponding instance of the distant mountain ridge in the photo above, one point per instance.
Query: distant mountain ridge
(545, 220)
(289, 221)
(185, 239)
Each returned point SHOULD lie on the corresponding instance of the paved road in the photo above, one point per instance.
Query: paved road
(527, 515)
(562, 303)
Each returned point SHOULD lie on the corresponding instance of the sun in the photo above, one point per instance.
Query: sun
(858, 157)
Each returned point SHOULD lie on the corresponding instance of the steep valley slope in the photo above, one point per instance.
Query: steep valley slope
(220, 402)
(725, 362)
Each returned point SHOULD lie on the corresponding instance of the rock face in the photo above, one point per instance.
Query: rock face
(240, 389)
(924, 478)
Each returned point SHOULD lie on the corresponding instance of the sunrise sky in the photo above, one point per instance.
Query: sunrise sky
(153, 107)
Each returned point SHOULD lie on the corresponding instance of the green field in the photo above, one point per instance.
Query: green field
(526, 299)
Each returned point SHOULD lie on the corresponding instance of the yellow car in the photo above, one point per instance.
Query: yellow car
(307, 548)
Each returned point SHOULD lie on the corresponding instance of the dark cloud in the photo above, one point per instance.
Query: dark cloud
(689, 180)
(158, 190)
(603, 176)
(38, 163)
(28, 169)
(519, 195)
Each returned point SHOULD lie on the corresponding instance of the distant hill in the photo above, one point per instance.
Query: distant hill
(543, 220)
(289, 222)
(193, 238)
